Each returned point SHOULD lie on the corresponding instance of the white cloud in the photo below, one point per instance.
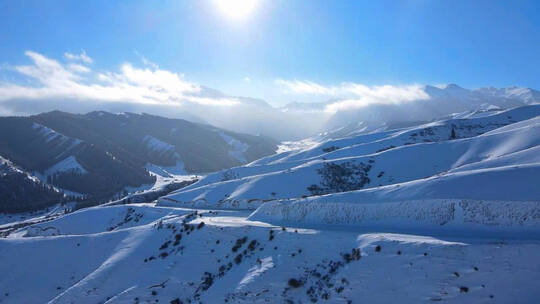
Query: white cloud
(151, 85)
(48, 72)
(386, 94)
(247, 79)
(353, 95)
(306, 87)
(149, 63)
(78, 68)
(81, 57)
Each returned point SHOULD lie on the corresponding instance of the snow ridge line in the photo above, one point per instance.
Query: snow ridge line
(439, 214)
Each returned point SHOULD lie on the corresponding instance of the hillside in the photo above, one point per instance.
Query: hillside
(99, 154)
(370, 161)
(149, 254)
(165, 142)
(20, 191)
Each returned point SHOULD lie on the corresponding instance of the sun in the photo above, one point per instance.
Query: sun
(236, 9)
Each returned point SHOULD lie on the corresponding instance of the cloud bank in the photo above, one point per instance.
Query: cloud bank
(51, 79)
(353, 95)
(73, 84)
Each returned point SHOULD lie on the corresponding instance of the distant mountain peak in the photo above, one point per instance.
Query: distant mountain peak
(453, 86)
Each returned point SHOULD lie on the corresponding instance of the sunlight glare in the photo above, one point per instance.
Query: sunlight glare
(236, 9)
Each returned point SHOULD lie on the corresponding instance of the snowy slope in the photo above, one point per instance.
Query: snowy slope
(238, 147)
(144, 254)
(436, 131)
(168, 171)
(497, 197)
(50, 135)
(376, 163)
(155, 145)
(369, 144)
(69, 164)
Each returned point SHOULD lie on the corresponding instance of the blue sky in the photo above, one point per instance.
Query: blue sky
(471, 43)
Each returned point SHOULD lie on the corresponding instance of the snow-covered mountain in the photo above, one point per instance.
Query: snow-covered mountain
(20, 191)
(525, 95)
(373, 160)
(445, 211)
(100, 154)
(436, 102)
(358, 112)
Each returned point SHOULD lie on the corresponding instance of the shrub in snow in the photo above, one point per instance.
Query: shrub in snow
(353, 256)
(252, 245)
(294, 283)
(208, 280)
(164, 245)
(239, 243)
(238, 259)
(347, 176)
(330, 149)
(228, 175)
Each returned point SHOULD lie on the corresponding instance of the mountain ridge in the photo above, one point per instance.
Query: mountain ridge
(99, 153)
